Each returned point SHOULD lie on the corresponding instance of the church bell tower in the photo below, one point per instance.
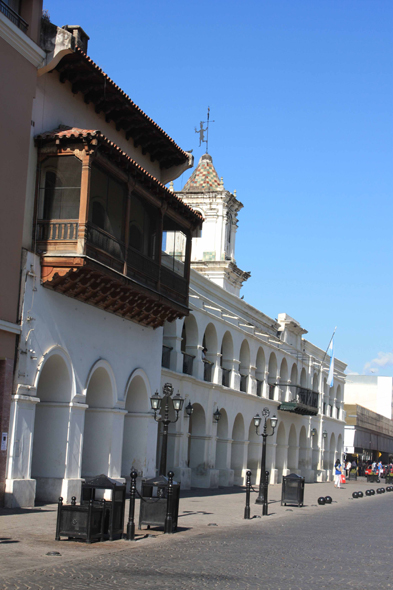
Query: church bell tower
(213, 254)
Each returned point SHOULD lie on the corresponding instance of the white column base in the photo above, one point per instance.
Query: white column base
(71, 487)
(321, 475)
(19, 493)
(226, 478)
(309, 475)
(273, 476)
(206, 478)
(183, 476)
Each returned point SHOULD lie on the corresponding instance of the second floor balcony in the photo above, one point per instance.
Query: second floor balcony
(118, 241)
(302, 401)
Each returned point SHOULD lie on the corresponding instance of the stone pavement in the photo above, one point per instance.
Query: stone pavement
(326, 546)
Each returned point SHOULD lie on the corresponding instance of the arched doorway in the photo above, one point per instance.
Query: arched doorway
(97, 439)
(138, 451)
(284, 381)
(304, 464)
(281, 452)
(51, 425)
(254, 453)
(272, 376)
(260, 371)
(223, 451)
(209, 353)
(197, 445)
(244, 366)
(226, 360)
(292, 450)
(237, 454)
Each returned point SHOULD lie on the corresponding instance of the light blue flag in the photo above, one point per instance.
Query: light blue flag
(330, 379)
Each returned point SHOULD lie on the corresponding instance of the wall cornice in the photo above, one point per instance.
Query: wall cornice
(20, 42)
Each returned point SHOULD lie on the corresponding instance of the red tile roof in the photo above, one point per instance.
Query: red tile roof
(79, 62)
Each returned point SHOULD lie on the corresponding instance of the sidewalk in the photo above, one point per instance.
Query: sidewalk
(27, 535)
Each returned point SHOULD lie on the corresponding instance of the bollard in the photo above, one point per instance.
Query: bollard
(59, 506)
(248, 491)
(265, 489)
(73, 501)
(130, 536)
(168, 519)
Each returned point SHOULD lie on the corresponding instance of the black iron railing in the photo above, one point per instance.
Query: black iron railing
(188, 362)
(226, 377)
(13, 16)
(243, 383)
(207, 370)
(306, 397)
(166, 356)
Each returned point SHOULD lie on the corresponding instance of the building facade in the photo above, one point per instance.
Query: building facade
(369, 425)
(111, 310)
(97, 286)
(20, 56)
(229, 356)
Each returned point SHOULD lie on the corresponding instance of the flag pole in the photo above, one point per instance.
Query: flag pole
(323, 360)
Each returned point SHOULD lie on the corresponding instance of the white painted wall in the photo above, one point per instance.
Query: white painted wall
(371, 392)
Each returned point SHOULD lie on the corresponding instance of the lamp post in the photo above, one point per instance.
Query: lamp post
(157, 403)
(263, 483)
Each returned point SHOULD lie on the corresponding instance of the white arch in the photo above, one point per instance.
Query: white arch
(103, 364)
(138, 373)
(59, 351)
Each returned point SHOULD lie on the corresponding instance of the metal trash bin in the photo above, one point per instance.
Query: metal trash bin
(114, 508)
(292, 491)
(153, 504)
(80, 522)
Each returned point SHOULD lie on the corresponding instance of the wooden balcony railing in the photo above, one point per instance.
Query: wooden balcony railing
(57, 229)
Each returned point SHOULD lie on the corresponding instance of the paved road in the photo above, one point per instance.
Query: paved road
(332, 548)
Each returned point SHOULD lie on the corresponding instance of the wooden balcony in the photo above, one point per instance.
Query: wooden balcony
(97, 258)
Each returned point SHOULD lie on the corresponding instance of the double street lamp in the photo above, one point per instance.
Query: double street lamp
(263, 482)
(157, 402)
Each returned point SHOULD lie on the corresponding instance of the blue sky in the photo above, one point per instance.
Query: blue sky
(301, 92)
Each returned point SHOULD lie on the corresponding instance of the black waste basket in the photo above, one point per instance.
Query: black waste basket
(154, 502)
(292, 491)
(114, 508)
(80, 522)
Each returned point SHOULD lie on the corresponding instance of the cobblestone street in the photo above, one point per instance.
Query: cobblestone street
(314, 547)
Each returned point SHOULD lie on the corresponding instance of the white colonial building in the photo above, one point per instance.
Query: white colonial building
(106, 291)
(229, 356)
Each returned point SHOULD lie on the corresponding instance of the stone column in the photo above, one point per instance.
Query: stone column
(235, 375)
(265, 388)
(72, 483)
(20, 489)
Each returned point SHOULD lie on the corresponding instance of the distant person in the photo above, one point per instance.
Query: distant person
(337, 474)
(380, 469)
(374, 467)
(348, 468)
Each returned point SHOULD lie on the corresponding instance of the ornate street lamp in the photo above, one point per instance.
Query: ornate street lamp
(263, 482)
(216, 416)
(189, 409)
(156, 403)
